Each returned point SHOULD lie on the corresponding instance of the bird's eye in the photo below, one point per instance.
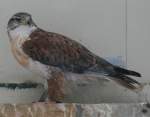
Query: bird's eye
(18, 19)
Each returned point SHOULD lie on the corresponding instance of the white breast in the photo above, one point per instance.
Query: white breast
(21, 32)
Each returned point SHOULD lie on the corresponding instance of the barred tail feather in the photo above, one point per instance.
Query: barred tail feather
(127, 82)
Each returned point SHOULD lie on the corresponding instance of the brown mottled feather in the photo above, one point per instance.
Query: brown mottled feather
(58, 50)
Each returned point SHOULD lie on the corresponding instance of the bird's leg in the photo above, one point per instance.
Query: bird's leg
(56, 87)
(54, 92)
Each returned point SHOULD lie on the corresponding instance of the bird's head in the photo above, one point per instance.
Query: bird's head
(20, 25)
(20, 19)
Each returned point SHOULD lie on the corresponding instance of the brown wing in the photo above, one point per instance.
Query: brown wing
(58, 50)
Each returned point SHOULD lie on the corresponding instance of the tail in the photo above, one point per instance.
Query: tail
(126, 72)
(119, 74)
(127, 82)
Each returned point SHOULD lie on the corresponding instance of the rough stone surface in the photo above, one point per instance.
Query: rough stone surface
(36, 110)
(114, 110)
(75, 110)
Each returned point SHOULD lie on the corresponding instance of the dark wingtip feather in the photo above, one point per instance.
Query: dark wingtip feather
(126, 72)
(136, 74)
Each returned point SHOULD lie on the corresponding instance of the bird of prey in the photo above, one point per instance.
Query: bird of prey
(46, 53)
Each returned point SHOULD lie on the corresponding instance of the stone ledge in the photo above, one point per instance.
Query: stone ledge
(36, 110)
(74, 110)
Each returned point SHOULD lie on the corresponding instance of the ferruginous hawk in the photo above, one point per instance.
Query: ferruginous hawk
(52, 55)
